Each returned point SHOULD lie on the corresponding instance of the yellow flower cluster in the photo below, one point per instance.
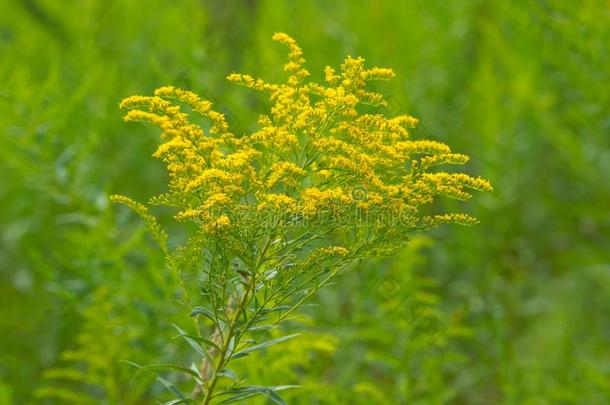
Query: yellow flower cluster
(312, 150)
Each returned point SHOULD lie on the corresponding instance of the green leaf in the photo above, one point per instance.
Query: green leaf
(261, 327)
(193, 343)
(203, 311)
(178, 401)
(228, 373)
(268, 343)
(238, 397)
(203, 340)
(275, 309)
(171, 387)
(167, 384)
(253, 390)
(193, 373)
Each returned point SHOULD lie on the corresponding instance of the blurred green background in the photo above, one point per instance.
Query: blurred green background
(524, 297)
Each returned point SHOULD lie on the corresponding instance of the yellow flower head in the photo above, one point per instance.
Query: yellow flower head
(311, 150)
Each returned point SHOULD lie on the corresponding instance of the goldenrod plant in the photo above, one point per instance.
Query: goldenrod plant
(278, 213)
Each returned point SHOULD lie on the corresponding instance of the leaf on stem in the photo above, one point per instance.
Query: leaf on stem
(203, 311)
(242, 393)
(268, 343)
(167, 384)
(192, 341)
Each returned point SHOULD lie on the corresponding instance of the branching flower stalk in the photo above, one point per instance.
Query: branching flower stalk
(279, 212)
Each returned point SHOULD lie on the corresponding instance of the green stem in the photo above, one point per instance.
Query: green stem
(225, 347)
(310, 293)
(222, 357)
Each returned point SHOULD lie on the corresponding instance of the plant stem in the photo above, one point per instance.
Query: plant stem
(233, 325)
(225, 346)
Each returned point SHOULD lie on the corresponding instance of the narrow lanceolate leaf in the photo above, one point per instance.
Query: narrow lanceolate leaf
(159, 367)
(261, 327)
(268, 343)
(193, 343)
(238, 397)
(171, 387)
(178, 401)
(231, 345)
(228, 373)
(167, 384)
(275, 309)
(204, 341)
(203, 311)
(241, 393)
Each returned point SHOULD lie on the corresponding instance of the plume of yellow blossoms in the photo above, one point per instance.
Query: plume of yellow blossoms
(311, 151)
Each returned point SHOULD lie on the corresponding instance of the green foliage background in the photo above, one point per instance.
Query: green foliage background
(522, 87)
